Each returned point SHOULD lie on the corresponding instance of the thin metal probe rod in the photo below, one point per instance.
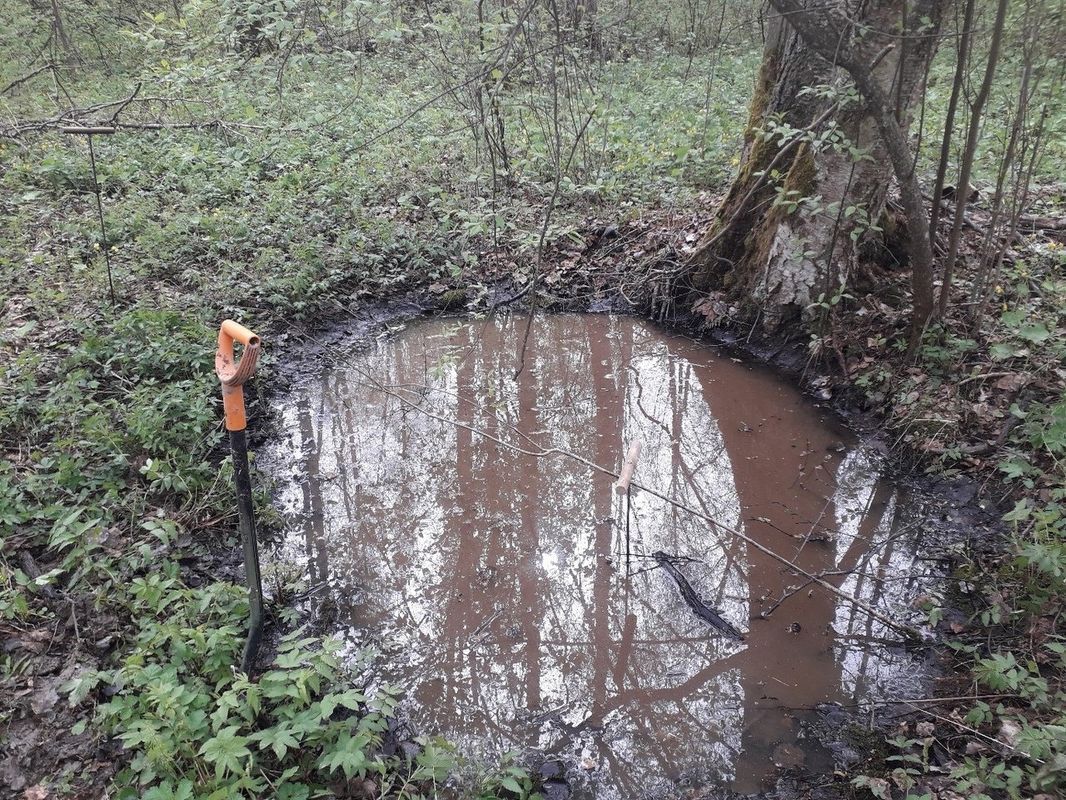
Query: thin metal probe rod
(250, 544)
(100, 214)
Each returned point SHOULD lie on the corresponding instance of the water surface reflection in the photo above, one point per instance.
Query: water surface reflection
(493, 581)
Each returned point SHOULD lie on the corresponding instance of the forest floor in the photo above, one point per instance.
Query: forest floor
(958, 411)
(120, 604)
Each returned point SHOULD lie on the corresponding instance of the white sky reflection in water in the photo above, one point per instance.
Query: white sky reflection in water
(493, 583)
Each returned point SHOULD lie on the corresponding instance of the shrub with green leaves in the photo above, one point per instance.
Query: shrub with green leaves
(195, 727)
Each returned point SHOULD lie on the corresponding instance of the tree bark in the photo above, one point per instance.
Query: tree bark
(765, 247)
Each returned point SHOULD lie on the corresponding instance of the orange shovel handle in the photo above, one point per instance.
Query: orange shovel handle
(232, 373)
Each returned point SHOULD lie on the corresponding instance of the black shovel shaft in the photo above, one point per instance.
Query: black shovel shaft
(242, 479)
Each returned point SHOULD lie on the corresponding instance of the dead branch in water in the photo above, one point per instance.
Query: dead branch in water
(693, 600)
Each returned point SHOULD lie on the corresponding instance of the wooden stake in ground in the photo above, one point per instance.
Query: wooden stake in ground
(629, 466)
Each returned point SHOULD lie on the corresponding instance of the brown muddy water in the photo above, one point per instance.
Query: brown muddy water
(492, 584)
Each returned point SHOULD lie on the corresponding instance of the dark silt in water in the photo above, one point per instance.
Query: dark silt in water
(492, 583)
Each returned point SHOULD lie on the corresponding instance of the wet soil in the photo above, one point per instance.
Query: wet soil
(516, 596)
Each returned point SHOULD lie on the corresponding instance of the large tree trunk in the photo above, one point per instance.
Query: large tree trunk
(788, 231)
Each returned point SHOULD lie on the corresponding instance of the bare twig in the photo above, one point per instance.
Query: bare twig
(28, 76)
(126, 102)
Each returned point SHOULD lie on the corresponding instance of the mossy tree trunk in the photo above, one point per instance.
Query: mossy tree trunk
(789, 228)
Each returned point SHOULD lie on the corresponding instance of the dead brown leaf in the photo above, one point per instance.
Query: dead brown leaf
(1012, 382)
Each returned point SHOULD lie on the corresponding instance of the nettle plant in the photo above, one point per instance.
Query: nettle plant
(1032, 746)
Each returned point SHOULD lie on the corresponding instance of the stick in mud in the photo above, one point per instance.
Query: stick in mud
(707, 614)
(622, 486)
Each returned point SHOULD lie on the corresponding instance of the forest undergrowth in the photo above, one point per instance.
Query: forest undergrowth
(286, 189)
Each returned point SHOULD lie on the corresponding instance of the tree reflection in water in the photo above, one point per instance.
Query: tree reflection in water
(493, 582)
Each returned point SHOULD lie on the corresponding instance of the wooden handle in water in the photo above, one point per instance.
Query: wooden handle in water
(629, 466)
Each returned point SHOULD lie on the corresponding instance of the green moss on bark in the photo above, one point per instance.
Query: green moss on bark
(802, 177)
(760, 98)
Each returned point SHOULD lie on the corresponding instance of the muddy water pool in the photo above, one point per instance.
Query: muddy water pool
(492, 581)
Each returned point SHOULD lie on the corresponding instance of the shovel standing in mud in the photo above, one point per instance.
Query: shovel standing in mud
(234, 374)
